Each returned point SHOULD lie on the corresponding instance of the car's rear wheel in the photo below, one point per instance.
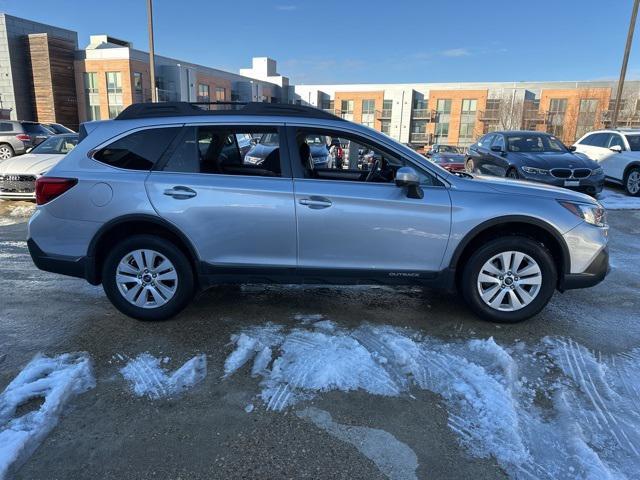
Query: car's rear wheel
(509, 279)
(148, 278)
(469, 165)
(6, 152)
(632, 182)
(513, 173)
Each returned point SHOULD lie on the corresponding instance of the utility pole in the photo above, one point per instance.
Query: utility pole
(152, 63)
(625, 60)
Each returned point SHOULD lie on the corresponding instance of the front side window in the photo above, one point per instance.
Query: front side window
(334, 156)
(485, 141)
(616, 141)
(114, 93)
(138, 151)
(253, 151)
(634, 142)
(498, 142)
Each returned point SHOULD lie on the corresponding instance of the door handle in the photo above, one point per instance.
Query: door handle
(315, 203)
(180, 193)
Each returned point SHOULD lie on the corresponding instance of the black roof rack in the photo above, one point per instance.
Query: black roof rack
(182, 109)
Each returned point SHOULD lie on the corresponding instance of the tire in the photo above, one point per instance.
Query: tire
(632, 182)
(152, 298)
(6, 152)
(508, 311)
(512, 173)
(469, 166)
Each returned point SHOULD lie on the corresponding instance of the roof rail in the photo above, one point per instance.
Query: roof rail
(182, 109)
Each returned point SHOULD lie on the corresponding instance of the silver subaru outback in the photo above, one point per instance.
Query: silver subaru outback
(169, 198)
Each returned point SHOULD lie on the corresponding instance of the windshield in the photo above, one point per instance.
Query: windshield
(634, 142)
(448, 149)
(534, 143)
(60, 144)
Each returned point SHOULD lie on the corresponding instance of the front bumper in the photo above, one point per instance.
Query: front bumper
(591, 185)
(594, 274)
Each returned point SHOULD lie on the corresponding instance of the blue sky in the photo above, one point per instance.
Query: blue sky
(349, 41)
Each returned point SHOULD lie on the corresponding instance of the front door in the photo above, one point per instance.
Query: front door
(356, 219)
(235, 212)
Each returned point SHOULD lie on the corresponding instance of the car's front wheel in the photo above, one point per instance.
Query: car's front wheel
(148, 278)
(632, 182)
(509, 279)
(513, 173)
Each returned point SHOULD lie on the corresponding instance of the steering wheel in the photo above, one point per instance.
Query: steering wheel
(374, 169)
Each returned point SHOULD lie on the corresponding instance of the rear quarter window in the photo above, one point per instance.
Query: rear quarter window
(36, 129)
(138, 151)
(6, 127)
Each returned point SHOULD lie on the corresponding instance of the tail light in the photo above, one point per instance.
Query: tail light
(48, 188)
(23, 137)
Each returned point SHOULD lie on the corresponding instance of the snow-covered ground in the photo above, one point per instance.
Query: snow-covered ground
(616, 199)
(551, 410)
(146, 377)
(55, 381)
(15, 212)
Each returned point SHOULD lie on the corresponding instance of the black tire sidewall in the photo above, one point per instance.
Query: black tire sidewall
(626, 179)
(535, 250)
(186, 282)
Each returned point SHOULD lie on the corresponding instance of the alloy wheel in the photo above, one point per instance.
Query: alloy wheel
(146, 278)
(5, 152)
(633, 182)
(509, 281)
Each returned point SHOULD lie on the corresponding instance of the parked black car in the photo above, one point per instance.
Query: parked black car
(270, 141)
(535, 156)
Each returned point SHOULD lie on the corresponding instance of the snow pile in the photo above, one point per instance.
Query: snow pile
(147, 378)
(618, 200)
(56, 380)
(506, 403)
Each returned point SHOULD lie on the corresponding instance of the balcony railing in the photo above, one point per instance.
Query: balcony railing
(418, 137)
(385, 113)
(534, 116)
(422, 114)
(489, 115)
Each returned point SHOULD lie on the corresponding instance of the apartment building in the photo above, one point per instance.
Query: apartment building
(458, 113)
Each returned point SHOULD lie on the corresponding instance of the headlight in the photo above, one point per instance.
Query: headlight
(536, 171)
(593, 214)
(597, 172)
(252, 160)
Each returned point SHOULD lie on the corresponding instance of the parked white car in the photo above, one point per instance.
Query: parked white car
(18, 174)
(618, 153)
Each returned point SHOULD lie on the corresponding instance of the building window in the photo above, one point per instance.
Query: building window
(203, 93)
(92, 99)
(387, 107)
(443, 116)
(420, 108)
(346, 107)
(385, 126)
(137, 82)
(221, 94)
(368, 112)
(418, 131)
(557, 110)
(467, 122)
(586, 116)
(114, 93)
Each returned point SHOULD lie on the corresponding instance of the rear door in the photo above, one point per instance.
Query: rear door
(239, 216)
(356, 221)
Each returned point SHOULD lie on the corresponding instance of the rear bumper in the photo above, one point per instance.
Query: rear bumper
(594, 274)
(71, 266)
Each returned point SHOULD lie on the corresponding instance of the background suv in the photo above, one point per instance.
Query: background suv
(535, 156)
(160, 202)
(618, 153)
(16, 137)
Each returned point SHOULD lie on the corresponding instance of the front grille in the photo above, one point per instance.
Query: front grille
(17, 183)
(570, 173)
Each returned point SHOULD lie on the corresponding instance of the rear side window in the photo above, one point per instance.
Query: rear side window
(36, 129)
(139, 151)
(6, 127)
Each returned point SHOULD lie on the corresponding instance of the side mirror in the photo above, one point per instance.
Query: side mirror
(496, 148)
(408, 177)
(572, 148)
(616, 148)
